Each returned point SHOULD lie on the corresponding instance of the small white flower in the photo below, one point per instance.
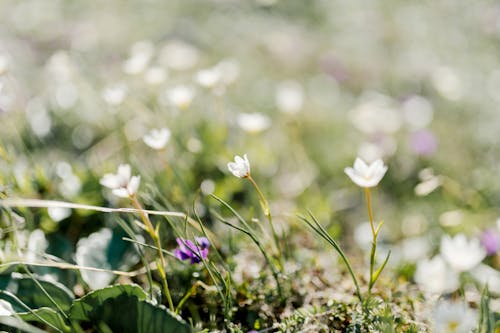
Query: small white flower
(181, 96)
(253, 122)
(6, 308)
(140, 55)
(37, 245)
(462, 255)
(289, 97)
(434, 276)
(114, 95)
(157, 138)
(366, 175)
(240, 167)
(122, 183)
(209, 77)
(453, 317)
(58, 213)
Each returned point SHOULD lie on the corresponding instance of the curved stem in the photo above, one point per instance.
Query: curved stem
(156, 238)
(267, 212)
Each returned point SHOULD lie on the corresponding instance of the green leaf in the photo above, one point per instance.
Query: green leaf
(28, 291)
(124, 309)
(46, 315)
(13, 322)
(486, 318)
(83, 307)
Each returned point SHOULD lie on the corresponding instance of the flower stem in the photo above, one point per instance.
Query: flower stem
(156, 238)
(267, 211)
(374, 241)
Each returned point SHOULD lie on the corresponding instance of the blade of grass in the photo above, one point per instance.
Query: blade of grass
(318, 228)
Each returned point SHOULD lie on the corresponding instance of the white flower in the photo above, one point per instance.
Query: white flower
(140, 55)
(58, 213)
(208, 78)
(157, 138)
(92, 252)
(240, 167)
(181, 96)
(37, 245)
(376, 113)
(253, 122)
(289, 97)
(114, 95)
(434, 276)
(179, 55)
(122, 183)
(487, 275)
(366, 175)
(453, 317)
(462, 255)
(6, 308)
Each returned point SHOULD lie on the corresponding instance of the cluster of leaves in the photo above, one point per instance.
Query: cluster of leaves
(120, 308)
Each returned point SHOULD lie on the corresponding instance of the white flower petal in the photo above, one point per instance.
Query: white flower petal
(121, 192)
(133, 185)
(110, 181)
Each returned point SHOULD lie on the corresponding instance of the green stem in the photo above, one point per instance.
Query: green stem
(156, 238)
(267, 211)
(374, 241)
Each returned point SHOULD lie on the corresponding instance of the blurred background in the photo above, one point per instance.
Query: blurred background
(302, 87)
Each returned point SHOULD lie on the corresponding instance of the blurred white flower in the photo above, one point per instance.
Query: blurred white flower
(376, 114)
(157, 138)
(194, 145)
(461, 254)
(58, 213)
(253, 122)
(38, 117)
(91, 252)
(66, 95)
(6, 308)
(427, 186)
(417, 112)
(453, 317)
(122, 183)
(289, 97)
(365, 175)
(179, 55)
(155, 75)
(448, 83)
(181, 96)
(101, 250)
(487, 275)
(140, 55)
(369, 151)
(414, 248)
(435, 276)
(37, 245)
(114, 95)
(240, 167)
(229, 70)
(208, 78)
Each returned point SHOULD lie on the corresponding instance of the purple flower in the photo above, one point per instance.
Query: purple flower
(423, 143)
(189, 250)
(491, 241)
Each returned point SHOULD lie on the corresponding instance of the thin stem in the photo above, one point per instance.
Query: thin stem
(156, 238)
(374, 241)
(267, 212)
(369, 207)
